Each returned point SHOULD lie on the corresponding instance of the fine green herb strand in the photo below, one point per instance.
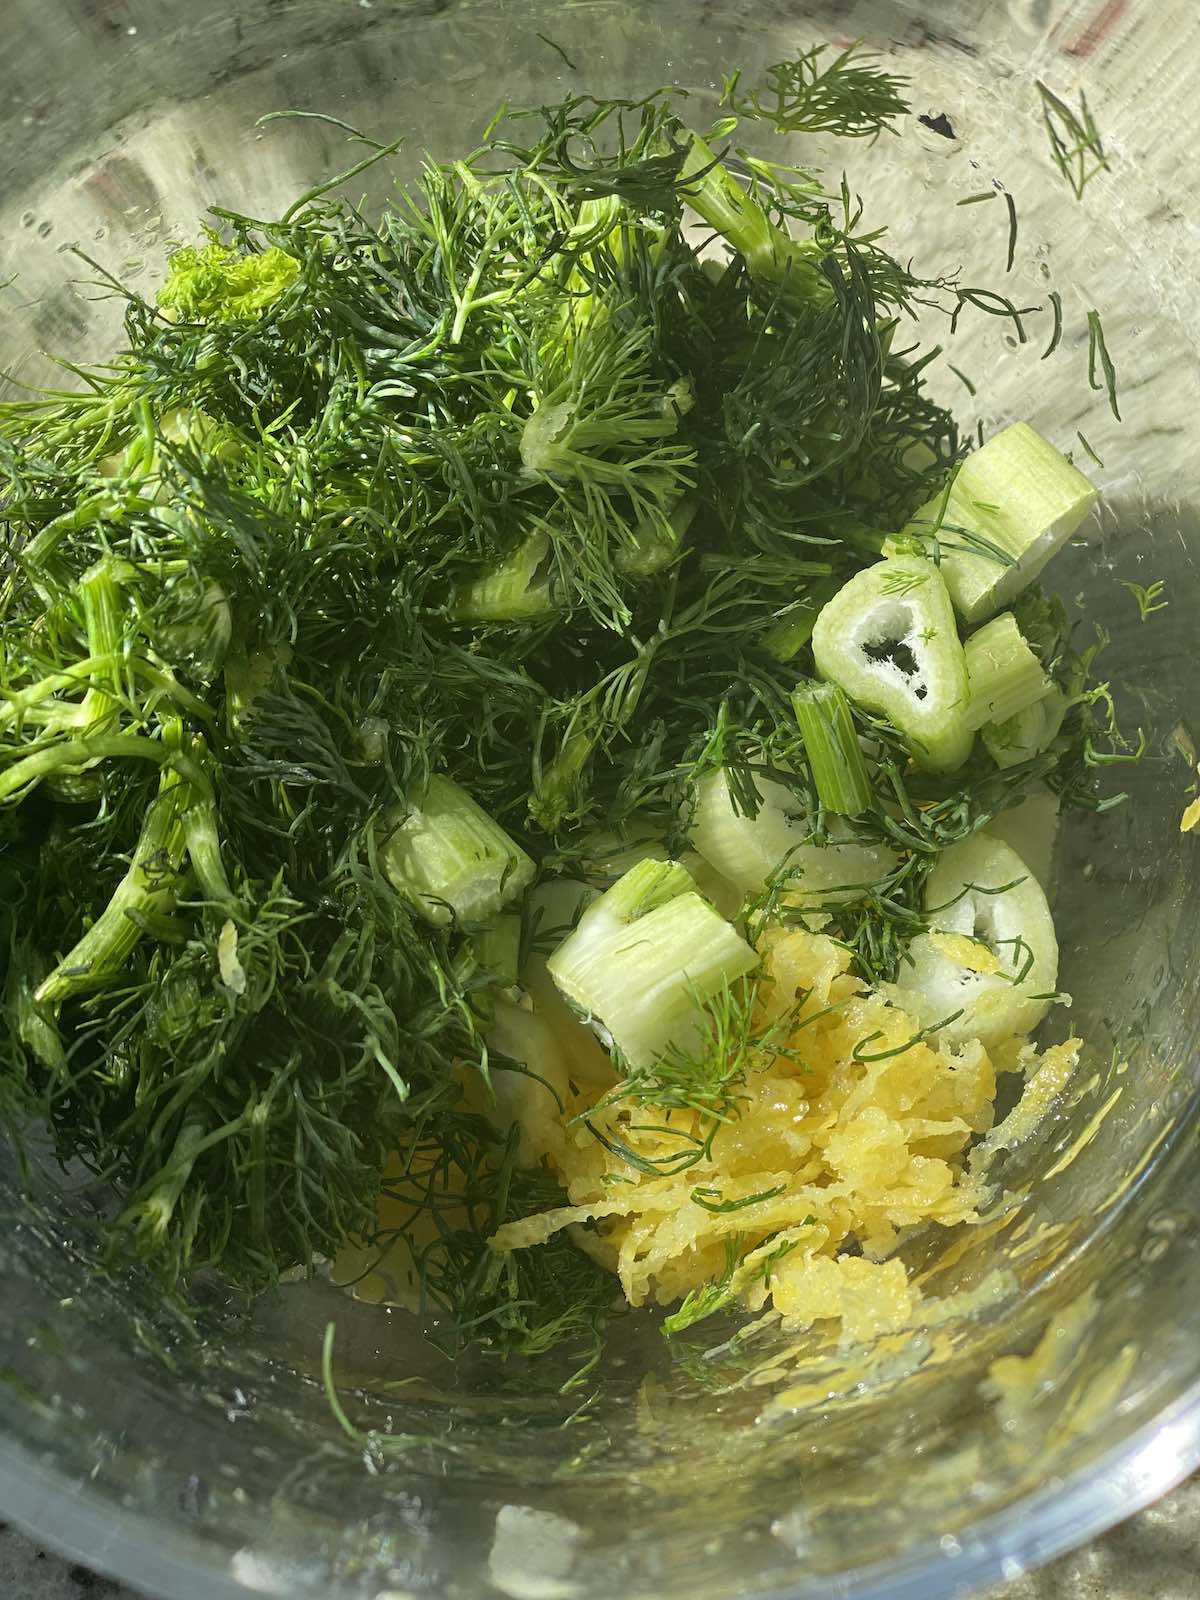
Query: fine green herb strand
(1056, 331)
(333, 1399)
(977, 199)
(1091, 452)
(559, 51)
(1075, 146)
(996, 305)
(1011, 205)
(710, 1199)
(846, 94)
(860, 1054)
(1149, 597)
(962, 378)
(1098, 356)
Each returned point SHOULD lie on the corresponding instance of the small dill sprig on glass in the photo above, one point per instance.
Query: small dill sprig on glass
(1075, 145)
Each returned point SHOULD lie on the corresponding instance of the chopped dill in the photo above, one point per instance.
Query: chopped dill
(1056, 331)
(708, 1082)
(1098, 355)
(1149, 597)
(559, 51)
(1011, 205)
(1075, 146)
(865, 1057)
(847, 95)
(710, 1199)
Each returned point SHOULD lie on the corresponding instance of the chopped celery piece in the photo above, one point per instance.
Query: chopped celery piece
(990, 958)
(448, 856)
(1025, 735)
(613, 859)
(747, 851)
(787, 637)
(101, 603)
(656, 543)
(771, 256)
(553, 910)
(645, 960)
(515, 589)
(145, 896)
(497, 949)
(1031, 829)
(529, 1101)
(1016, 493)
(889, 638)
(200, 631)
(1004, 674)
(831, 744)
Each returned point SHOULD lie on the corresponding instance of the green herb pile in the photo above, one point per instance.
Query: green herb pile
(534, 482)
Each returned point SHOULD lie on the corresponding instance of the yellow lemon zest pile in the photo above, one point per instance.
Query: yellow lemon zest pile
(852, 1132)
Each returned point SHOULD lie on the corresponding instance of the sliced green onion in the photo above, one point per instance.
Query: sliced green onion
(1005, 676)
(514, 590)
(453, 862)
(889, 639)
(1020, 495)
(835, 756)
(647, 958)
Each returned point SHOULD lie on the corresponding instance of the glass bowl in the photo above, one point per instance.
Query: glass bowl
(214, 1467)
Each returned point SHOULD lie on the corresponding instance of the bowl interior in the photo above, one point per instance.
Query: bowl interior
(208, 1468)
